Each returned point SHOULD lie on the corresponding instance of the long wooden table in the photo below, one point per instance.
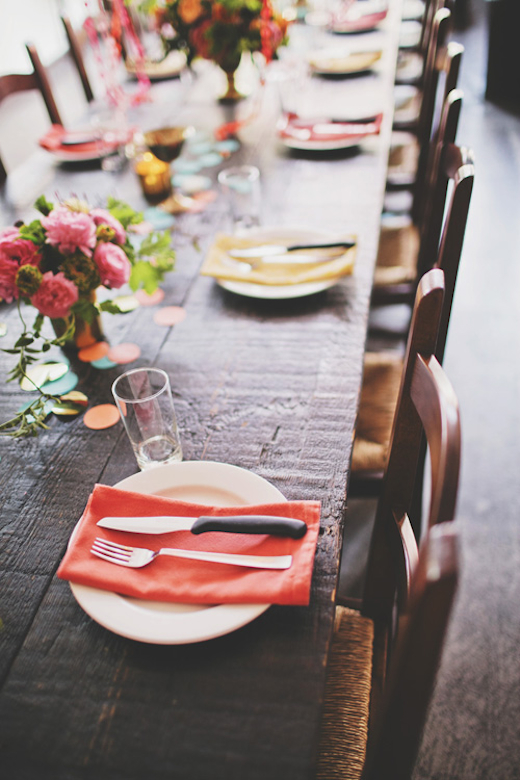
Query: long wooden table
(270, 386)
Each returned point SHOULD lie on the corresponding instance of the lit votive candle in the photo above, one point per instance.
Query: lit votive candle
(154, 177)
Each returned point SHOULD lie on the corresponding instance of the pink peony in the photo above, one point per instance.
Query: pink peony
(8, 271)
(55, 295)
(103, 217)
(14, 252)
(113, 265)
(70, 231)
(21, 250)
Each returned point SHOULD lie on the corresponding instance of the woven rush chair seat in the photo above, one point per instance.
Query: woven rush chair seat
(397, 253)
(382, 374)
(347, 699)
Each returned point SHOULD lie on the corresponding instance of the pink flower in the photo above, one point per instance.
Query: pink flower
(103, 217)
(14, 252)
(21, 250)
(70, 231)
(55, 295)
(113, 265)
(8, 271)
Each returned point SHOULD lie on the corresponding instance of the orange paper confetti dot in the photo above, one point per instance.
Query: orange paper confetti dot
(149, 300)
(124, 353)
(95, 352)
(102, 416)
(169, 315)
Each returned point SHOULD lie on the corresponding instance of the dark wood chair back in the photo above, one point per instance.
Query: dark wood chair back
(426, 404)
(445, 70)
(399, 580)
(396, 731)
(22, 82)
(444, 220)
(77, 57)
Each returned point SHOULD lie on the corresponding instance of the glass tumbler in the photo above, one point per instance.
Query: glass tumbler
(144, 399)
(240, 185)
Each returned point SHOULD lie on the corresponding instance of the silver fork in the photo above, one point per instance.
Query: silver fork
(137, 557)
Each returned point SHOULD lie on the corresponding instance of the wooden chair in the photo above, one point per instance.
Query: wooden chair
(384, 655)
(77, 57)
(415, 127)
(408, 246)
(383, 370)
(21, 82)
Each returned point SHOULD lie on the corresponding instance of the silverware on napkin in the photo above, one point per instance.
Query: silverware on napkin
(244, 524)
(265, 250)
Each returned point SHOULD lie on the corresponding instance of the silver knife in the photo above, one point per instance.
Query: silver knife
(244, 524)
(265, 250)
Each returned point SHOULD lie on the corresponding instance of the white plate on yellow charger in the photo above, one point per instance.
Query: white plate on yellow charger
(201, 482)
(282, 291)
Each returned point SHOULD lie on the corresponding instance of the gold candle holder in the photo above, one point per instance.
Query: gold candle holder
(154, 177)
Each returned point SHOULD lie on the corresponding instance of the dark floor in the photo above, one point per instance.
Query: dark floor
(473, 732)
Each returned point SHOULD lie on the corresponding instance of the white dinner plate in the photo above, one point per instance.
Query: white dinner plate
(330, 145)
(281, 291)
(201, 482)
(343, 63)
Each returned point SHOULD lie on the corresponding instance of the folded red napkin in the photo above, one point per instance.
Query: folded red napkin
(342, 22)
(52, 141)
(182, 580)
(293, 126)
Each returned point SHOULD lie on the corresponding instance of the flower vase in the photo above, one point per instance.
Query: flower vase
(231, 95)
(85, 333)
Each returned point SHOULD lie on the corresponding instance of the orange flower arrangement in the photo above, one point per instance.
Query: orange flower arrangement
(221, 31)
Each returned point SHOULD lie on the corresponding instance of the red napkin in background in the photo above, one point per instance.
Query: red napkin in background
(53, 138)
(182, 580)
(291, 125)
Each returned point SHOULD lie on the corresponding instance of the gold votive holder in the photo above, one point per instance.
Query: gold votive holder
(154, 177)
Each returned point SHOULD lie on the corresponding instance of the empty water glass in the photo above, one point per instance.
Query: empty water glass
(144, 399)
(241, 186)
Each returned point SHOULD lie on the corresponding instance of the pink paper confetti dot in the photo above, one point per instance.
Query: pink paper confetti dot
(169, 315)
(124, 353)
(149, 300)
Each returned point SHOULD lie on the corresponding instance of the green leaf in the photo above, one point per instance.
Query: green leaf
(43, 205)
(124, 212)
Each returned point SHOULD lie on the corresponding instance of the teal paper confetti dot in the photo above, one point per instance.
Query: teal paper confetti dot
(187, 166)
(47, 408)
(61, 386)
(210, 159)
(201, 148)
(230, 145)
(160, 219)
(192, 184)
(103, 362)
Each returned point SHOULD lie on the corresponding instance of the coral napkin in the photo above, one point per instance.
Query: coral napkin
(52, 141)
(218, 264)
(197, 582)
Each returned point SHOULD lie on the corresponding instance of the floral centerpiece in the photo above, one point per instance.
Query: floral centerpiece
(220, 31)
(56, 263)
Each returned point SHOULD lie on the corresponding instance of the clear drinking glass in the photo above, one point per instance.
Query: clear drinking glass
(144, 399)
(240, 185)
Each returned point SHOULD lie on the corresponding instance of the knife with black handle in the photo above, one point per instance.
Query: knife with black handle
(243, 524)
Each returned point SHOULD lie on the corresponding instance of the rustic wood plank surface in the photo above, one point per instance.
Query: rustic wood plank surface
(270, 386)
